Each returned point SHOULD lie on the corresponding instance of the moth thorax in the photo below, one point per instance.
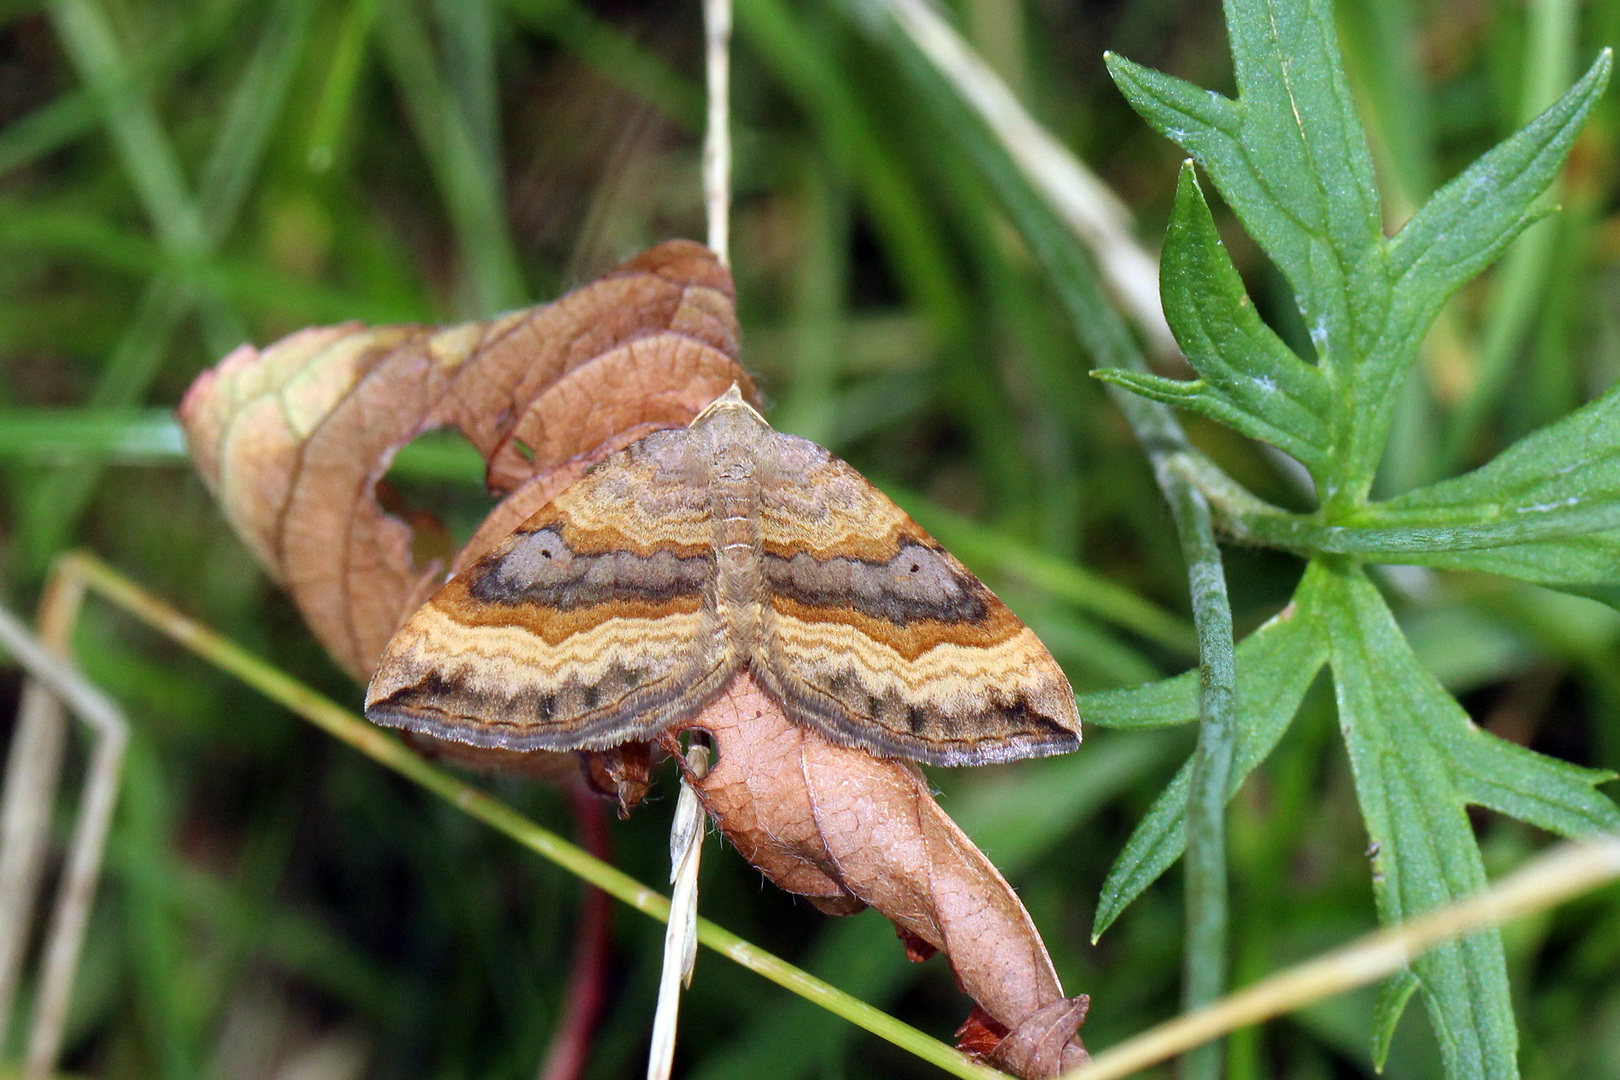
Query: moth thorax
(734, 506)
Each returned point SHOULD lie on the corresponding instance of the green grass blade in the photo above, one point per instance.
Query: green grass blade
(1377, 37)
(816, 317)
(467, 31)
(911, 239)
(1072, 275)
(615, 56)
(190, 230)
(147, 154)
(1518, 289)
(140, 850)
(58, 501)
(337, 96)
(469, 182)
(39, 436)
(250, 118)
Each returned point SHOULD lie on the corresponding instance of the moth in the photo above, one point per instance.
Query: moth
(629, 602)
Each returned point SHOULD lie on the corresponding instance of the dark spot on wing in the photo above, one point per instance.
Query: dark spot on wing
(540, 568)
(919, 583)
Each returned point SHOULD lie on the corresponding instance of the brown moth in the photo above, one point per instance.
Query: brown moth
(631, 600)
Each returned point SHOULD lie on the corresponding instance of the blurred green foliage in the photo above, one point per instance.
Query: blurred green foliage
(176, 179)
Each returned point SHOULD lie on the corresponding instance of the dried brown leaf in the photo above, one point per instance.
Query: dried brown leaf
(294, 438)
(848, 829)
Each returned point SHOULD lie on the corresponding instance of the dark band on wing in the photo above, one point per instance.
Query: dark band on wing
(574, 715)
(541, 568)
(919, 583)
(1005, 728)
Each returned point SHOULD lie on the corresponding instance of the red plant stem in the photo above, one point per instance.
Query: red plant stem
(587, 985)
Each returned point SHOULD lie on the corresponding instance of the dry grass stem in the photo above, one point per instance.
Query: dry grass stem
(1084, 202)
(717, 140)
(390, 752)
(31, 783)
(1566, 872)
(680, 935)
(33, 770)
(686, 831)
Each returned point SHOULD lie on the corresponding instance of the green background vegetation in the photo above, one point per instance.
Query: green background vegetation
(176, 179)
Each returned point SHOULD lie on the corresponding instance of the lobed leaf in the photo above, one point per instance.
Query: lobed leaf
(1393, 997)
(1164, 703)
(1250, 380)
(1546, 510)
(1400, 727)
(1275, 666)
(1290, 158)
(1548, 793)
(1471, 221)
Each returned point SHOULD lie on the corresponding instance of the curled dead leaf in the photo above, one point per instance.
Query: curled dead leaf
(847, 829)
(293, 438)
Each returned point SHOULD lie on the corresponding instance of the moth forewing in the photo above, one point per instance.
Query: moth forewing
(625, 605)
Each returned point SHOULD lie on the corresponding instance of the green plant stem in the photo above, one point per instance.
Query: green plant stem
(1205, 966)
(389, 751)
(468, 179)
(1204, 962)
(614, 55)
(1100, 327)
(75, 113)
(342, 77)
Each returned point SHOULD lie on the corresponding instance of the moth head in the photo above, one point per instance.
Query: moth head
(731, 399)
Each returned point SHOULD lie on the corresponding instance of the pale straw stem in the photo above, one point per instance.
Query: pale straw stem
(1083, 201)
(717, 140)
(77, 889)
(680, 935)
(686, 831)
(1565, 872)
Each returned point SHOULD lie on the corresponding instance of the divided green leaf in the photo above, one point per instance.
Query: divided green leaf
(1547, 510)
(1393, 997)
(1469, 223)
(1399, 727)
(1290, 158)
